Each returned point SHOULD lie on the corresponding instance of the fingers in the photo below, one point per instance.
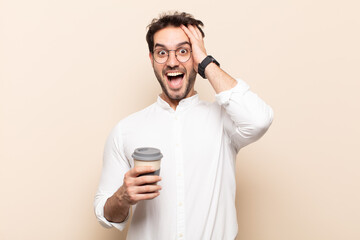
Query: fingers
(146, 180)
(137, 188)
(192, 31)
(187, 32)
(136, 171)
(132, 178)
(139, 197)
(147, 189)
(199, 33)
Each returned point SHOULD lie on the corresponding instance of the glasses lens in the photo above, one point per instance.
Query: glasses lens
(160, 55)
(183, 54)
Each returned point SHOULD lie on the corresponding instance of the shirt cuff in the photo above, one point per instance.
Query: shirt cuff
(223, 98)
(99, 212)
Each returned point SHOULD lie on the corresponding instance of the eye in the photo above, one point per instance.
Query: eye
(161, 53)
(183, 51)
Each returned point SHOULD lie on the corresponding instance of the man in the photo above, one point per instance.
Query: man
(194, 197)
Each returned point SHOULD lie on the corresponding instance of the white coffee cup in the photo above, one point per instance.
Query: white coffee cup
(148, 156)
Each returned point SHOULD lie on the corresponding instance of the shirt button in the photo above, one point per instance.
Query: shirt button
(176, 118)
(180, 204)
(180, 235)
(177, 145)
(179, 174)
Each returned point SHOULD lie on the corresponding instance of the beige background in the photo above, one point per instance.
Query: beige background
(71, 69)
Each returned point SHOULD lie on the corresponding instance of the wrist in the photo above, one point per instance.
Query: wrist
(205, 63)
(120, 197)
(197, 61)
(201, 58)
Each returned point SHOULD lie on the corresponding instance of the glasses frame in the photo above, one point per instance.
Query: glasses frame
(168, 53)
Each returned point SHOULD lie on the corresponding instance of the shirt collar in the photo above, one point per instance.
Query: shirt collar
(183, 104)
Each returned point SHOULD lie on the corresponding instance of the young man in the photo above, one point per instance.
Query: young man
(194, 197)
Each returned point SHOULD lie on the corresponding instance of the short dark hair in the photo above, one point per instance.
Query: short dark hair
(174, 19)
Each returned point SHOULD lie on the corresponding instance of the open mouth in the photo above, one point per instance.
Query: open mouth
(175, 79)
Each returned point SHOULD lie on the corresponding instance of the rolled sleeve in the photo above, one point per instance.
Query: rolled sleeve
(223, 98)
(99, 212)
(247, 116)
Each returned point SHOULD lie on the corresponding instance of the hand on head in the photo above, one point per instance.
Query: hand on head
(197, 44)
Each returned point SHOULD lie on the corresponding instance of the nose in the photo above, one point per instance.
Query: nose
(172, 60)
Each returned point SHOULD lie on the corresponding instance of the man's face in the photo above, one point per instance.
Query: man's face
(176, 78)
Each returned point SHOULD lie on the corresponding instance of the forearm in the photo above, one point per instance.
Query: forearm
(116, 209)
(219, 80)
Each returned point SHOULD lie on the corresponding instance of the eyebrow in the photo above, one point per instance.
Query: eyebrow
(177, 45)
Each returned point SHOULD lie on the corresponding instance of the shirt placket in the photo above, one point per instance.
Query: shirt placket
(180, 208)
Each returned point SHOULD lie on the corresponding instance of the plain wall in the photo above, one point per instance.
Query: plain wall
(71, 69)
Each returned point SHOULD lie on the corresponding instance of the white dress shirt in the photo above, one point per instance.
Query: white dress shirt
(199, 142)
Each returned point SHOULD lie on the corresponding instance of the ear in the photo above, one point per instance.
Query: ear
(151, 59)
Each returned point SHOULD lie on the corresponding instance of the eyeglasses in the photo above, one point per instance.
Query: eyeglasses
(182, 54)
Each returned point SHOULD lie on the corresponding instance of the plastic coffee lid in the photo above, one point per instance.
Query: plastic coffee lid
(147, 154)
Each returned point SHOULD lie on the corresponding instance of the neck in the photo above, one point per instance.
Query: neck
(175, 102)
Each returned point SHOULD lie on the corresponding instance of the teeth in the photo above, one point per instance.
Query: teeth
(174, 74)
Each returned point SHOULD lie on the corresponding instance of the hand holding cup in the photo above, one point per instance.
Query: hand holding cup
(136, 187)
